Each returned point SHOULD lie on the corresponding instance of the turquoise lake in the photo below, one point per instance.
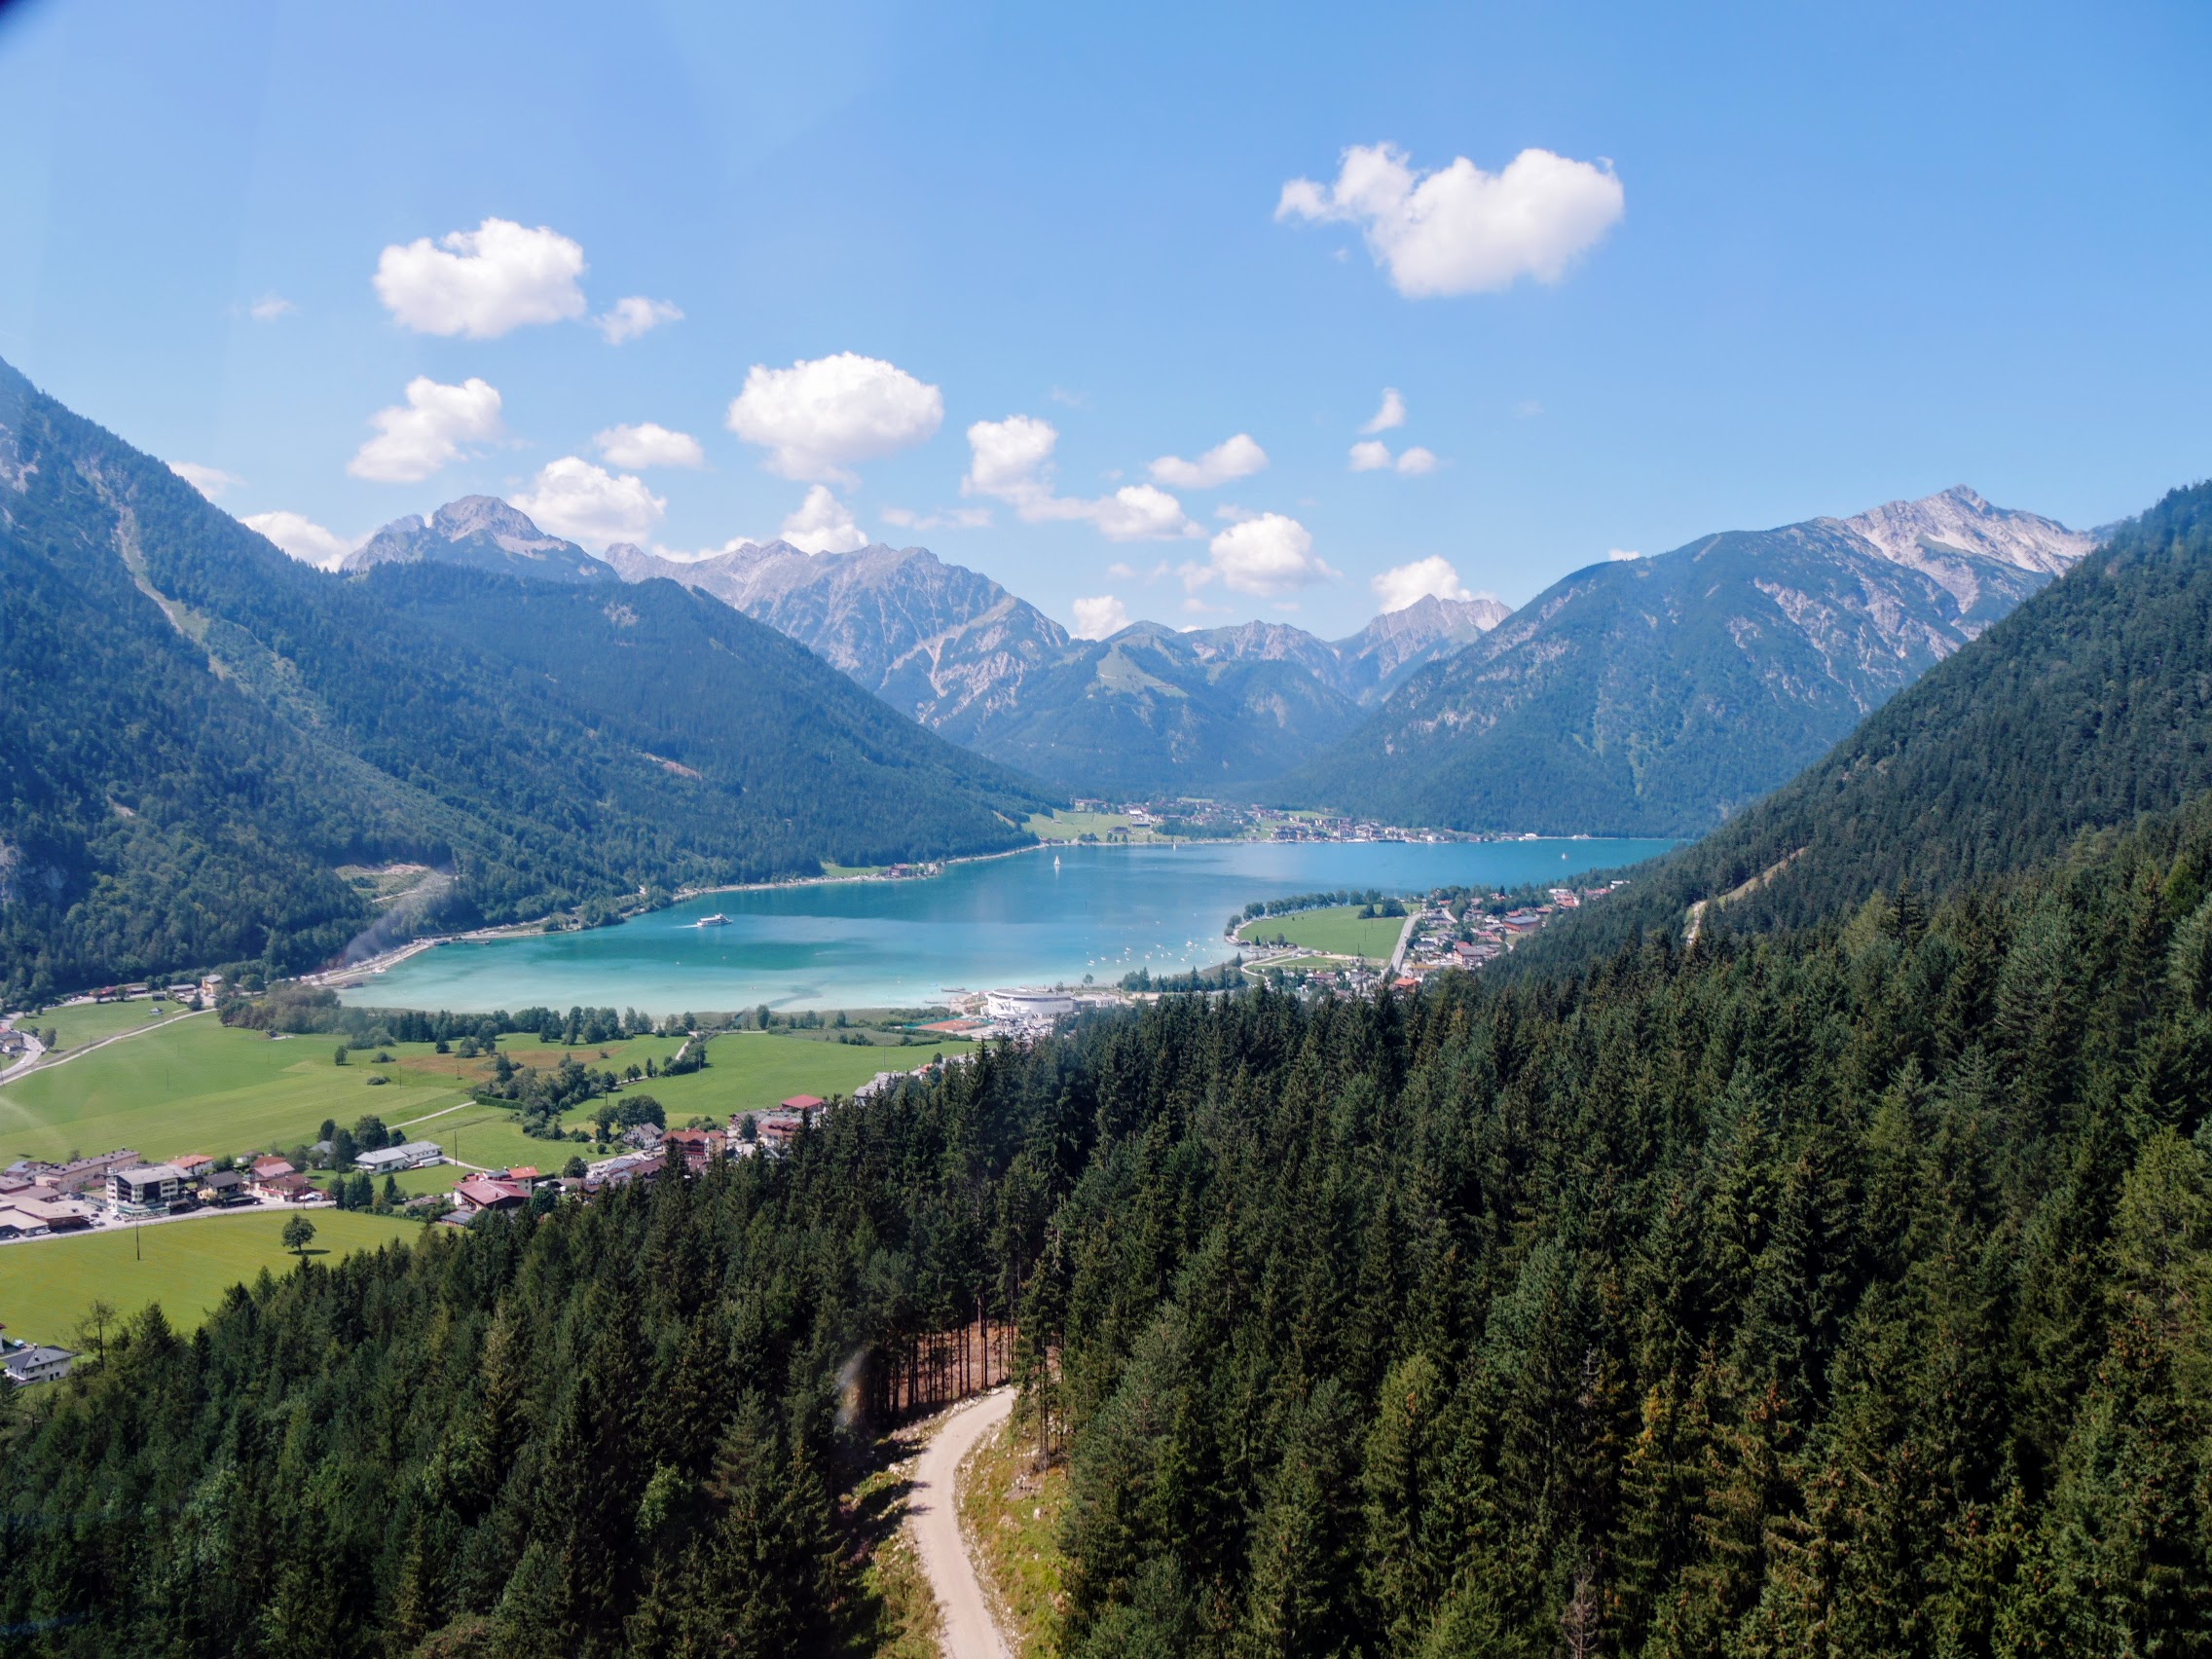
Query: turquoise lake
(1010, 921)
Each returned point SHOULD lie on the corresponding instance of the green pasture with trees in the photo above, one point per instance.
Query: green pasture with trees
(1340, 930)
(48, 1286)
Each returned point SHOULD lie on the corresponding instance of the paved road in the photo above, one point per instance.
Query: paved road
(1404, 942)
(970, 1631)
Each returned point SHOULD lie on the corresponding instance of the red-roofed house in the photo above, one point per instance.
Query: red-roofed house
(491, 1192)
(271, 1166)
(803, 1103)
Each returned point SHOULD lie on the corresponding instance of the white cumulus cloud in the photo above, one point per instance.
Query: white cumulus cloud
(484, 282)
(816, 417)
(301, 536)
(589, 505)
(1406, 585)
(648, 444)
(1267, 556)
(1392, 414)
(632, 316)
(1099, 618)
(822, 523)
(1012, 462)
(1622, 555)
(210, 481)
(1458, 230)
(1233, 458)
(416, 438)
(1373, 455)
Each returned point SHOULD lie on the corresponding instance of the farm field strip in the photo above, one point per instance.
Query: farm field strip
(47, 1285)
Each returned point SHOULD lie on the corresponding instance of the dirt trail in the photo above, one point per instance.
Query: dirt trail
(970, 1630)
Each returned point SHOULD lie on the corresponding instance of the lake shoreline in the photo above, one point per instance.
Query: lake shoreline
(1092, 913)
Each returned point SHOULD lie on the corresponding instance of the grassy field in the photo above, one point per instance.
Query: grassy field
(47, 1284)
(195, 1085)
(1337, 930)
(485, 1136)
(850, 872)
(751, 1070)
(1068, 826)
(89, 1022)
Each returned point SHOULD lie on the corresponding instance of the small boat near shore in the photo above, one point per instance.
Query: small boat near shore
(716, 920)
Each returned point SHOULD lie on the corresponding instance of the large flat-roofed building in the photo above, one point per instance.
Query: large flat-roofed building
(37, 1213)
(414, 1154)
(1026, 1004)
(82, 1173)
(145, 1186)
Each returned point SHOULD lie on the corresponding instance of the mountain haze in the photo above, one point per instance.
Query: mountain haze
(1660, 696)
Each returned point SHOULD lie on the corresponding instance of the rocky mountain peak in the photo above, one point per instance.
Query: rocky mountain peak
(489, 516)
(1960, 520)
(480, 532)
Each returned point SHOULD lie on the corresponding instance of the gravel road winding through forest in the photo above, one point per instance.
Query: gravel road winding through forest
(970, 1631)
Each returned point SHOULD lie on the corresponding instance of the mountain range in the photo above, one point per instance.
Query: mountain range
(2087, 709)
(204, 733)
(1660, 696)
(1151, 710)
(1638, 696)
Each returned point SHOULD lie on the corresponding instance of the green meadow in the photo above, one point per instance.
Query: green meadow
(1064, 826)
(1340, 930)
(89, 1023)
(751, 1071)
(195, 1085)
(47, 1284)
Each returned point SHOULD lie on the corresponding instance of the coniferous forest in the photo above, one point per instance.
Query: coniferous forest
(1837, 1291)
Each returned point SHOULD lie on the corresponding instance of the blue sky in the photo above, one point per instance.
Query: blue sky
(1784, 261)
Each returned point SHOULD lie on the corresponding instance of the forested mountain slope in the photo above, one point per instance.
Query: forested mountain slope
(1660, 696)
(201, 729)
(2088, 707)
(1839, 1293)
